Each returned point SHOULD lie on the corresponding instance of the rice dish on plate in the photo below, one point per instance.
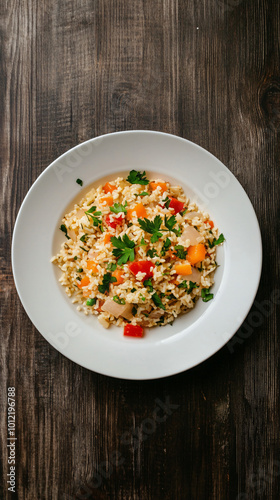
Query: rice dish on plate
(138, 253)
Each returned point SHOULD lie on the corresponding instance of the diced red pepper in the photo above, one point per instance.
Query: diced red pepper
(177, 205)
(142, 266)
(133, 331)
(117, 221)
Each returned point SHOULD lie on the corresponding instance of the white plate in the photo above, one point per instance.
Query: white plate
(194, 336)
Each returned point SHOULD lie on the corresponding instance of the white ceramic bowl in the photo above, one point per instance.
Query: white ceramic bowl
(193, 337)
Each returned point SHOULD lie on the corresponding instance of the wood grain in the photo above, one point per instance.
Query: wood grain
(207, 70)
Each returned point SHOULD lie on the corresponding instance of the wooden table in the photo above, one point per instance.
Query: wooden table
(208, 71)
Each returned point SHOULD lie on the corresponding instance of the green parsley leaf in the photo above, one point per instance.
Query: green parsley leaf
(183, 212)
(118, 300)
(112, 266)
(152, 227)
(170, 223)
(187, 287)
(143, 242)
(166, 202)
(152, 253)
(165, 247)
(142, 297)
(63, 228)
(206, 295)
(75, 258)
(133, 290)
(144, 193)
(124, 249)
(156, 300)
(148, 284)
(84, 238)
(91, 302)
(218, 241)
(118, 207)
(95, 217)
(180, 251)
(80, 270)
(107, 279)
(171, 297)
(134, 310)
(136, 177)
(79, 181)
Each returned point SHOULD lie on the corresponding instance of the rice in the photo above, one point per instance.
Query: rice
(131, 252)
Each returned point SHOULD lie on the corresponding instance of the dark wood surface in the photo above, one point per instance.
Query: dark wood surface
(208, 71)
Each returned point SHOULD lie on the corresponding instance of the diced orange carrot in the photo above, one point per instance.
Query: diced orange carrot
(108, 188)
(210, 222)
(162, 185)
(183, 269)
(139, 209)
(107, 199)
(118, 273)
(107, 238)
(84, 282)
(91, 265)
(86, 293)
(196, 253)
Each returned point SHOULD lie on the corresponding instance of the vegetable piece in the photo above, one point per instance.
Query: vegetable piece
(148, 284)
(91, 302)
(103, 322)
(154, 185)
(196, 253)
(133, 331)
(210, 222)
(108, 188)
(118, 300)
(107, 279)
(180, 252)
(166, 246)
(156, 300)
(136, 177)
(188, 287)
(152, 253)
(170, 223)
(112, 266)
(218, 241)
(139, 209)
(107, 238)
(79, 181)
(63, 228)
(91, 265)
(142, 266)
(124, 249)
(190, 233)
(94, 216)
(152, 227)
(72, 235)
(109, 200)
(117, 310)
(114, 221)
(144, 193)
(195, 276)
(118, 208)
(183, 269)
(84, 238)
(176, 205)
(84, 282)
(206, 295)
(118, 274)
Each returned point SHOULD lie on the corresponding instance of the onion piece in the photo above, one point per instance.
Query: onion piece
(190, 233)
(72, 234)
(80, 213)
(195, 277)
(124, 310)
(192, 215)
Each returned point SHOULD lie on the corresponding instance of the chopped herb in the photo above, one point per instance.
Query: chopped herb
(165, 247)
(129, 224)
(84, 238)
(171, 296)
(206, 295)
(124, 249)
(63, 228)
(152, 253)
(152, 227)
(156, 300)
(134, 311)
(133, 290)
(187, 287)
(148, 284)
(80, 270)
(118, 300)
(91, 302)
(216, 241)
(107, 279)
(157, 263)
(142, 194)
(75, 258)
(183, 212)
(79, 181)
(95, 217)
(118, 207)
(143, 242)
(112, 266)
(161, 320)
(200, 268)
(78, 278)
(142, 298)
(136, 177)
(180, 252)
(146, 315)
(166, 202)
(84, 249)
(170, 223)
